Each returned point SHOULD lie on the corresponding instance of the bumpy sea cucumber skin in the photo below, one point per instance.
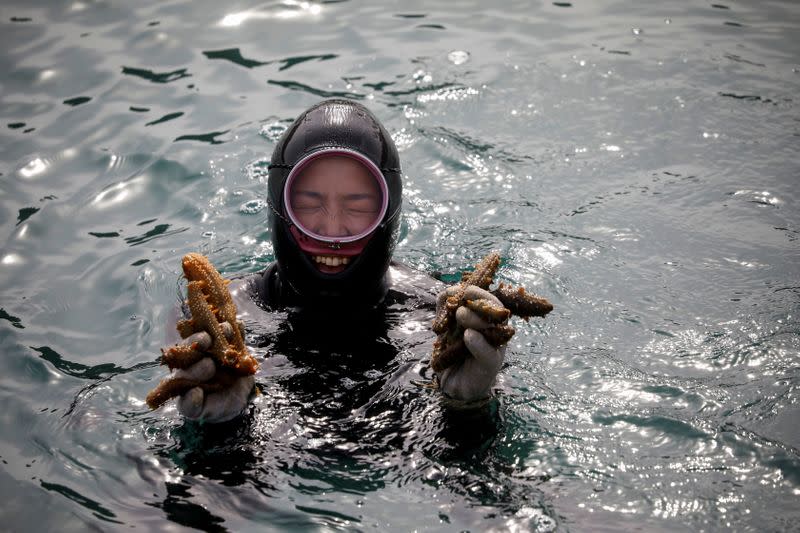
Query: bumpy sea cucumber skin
(488, 310)
(498, 335)
(172, 387)
(186, 327)
(204, 317)
(444, 357)
(482, 276)
(210, 305)
(521, 302)
(181, 356)
(169, 388)
(449, 348)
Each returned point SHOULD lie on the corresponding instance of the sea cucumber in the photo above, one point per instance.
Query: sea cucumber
(214, 312)
(449, 348)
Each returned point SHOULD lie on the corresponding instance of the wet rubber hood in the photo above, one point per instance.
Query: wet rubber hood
(331, 126)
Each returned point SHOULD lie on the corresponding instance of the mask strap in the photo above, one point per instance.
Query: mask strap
(278, 214)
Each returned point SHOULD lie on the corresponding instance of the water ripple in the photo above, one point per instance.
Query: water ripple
(297, 86)
(661, 394)
(156, 77)
(234, 55)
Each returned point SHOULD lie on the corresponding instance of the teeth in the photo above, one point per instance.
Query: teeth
(331, 260)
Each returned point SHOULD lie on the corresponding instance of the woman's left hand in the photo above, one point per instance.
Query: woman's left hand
(473, 378)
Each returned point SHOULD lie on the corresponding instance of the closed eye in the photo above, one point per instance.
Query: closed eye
(307, 200)
(361, 203)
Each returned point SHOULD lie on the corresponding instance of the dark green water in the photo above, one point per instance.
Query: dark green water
(635, 162)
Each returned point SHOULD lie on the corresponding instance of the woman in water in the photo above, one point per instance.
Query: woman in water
(333, 296)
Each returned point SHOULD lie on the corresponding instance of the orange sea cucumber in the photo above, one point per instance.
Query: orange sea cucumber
(214, 312)
(449, 348)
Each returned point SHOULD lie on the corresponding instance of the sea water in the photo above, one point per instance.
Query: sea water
(634, 162)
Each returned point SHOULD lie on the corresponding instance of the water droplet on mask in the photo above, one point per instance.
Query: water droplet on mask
(637, 31)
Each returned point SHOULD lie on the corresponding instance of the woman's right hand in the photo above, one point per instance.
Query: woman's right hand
(213, 407)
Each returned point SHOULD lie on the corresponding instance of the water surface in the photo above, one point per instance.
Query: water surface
(636, 163)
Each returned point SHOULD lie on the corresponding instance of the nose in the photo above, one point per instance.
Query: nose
(331, 225)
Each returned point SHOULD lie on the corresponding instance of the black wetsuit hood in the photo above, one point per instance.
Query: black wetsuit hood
(334, 124)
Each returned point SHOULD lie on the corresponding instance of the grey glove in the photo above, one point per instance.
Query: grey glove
(472, 379)
(213, 407)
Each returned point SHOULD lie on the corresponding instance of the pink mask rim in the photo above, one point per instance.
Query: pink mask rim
(373, 169)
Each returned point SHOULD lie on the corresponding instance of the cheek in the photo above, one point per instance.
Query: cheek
(357, 224)
(307, 219)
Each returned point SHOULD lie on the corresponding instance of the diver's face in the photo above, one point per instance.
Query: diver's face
(335, 197)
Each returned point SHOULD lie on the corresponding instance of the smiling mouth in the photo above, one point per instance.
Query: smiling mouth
(330, 264)
(330, 260)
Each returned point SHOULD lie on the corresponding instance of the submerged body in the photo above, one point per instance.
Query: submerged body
(267, 307)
